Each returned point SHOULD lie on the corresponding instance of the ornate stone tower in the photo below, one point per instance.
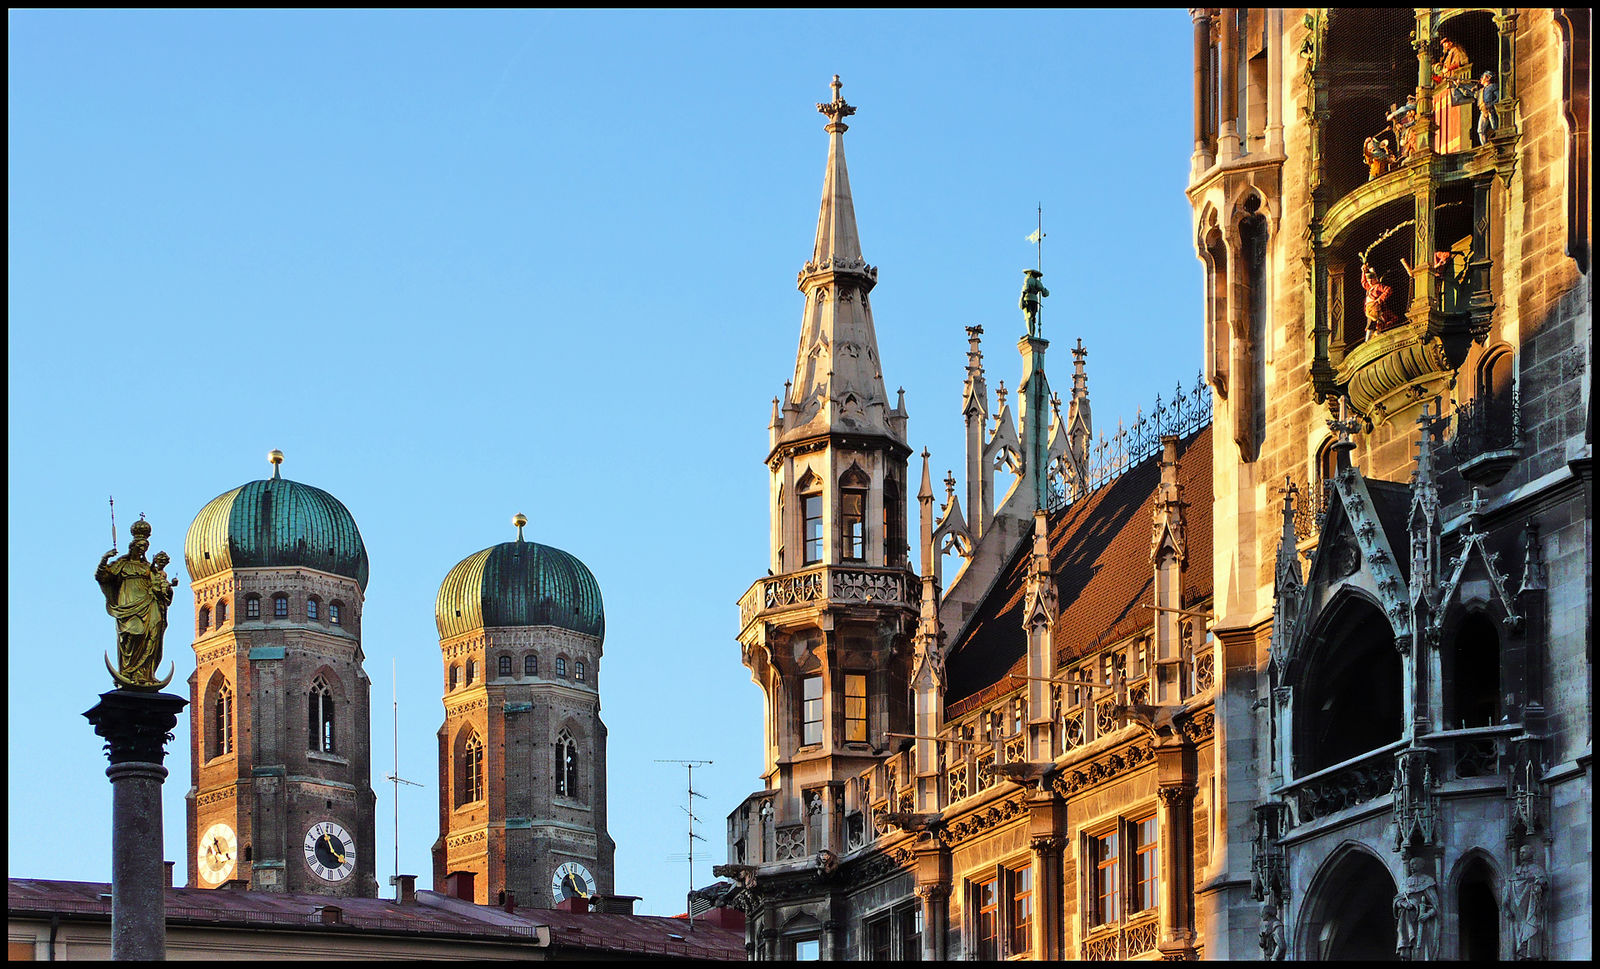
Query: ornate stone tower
(522, 752)
(827, 635)
(281, 793)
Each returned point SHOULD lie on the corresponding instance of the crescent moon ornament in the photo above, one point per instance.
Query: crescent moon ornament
(128, 684)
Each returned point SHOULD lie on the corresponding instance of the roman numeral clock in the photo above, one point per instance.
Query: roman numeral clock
(330, 851)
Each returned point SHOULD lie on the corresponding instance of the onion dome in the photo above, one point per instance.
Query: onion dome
(275, 523)
(520, 583)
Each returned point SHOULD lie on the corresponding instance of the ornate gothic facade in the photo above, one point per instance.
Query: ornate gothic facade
(1310, 680)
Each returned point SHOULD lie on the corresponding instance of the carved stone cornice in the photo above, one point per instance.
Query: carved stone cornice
(982, 821)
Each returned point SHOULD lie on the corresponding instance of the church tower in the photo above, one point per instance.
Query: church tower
(522, 752)
(281, 786)
(827, 634)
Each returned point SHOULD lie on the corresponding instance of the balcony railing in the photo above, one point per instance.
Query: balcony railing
(828, 583)
(1332, 789)
(1124, 941)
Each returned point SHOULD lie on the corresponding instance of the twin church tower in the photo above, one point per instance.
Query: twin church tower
(281, 781)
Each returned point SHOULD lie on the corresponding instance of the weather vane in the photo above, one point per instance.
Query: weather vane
(1037, 238)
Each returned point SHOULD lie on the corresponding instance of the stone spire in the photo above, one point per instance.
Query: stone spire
(838, 379)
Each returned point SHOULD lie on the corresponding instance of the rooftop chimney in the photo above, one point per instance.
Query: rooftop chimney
(458, 884)
(407, 889)
(615, 904)
(508, 900)
(575, 903)
(167, 872)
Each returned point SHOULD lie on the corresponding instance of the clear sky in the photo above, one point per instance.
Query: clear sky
(462, 265)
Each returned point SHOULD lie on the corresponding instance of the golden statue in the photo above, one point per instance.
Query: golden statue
(137, 596)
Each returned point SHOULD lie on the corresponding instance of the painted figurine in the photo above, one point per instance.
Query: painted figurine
(1032, 301)
(1488, 117)
(1376, 154)
(1379, 316)
(1402, 120)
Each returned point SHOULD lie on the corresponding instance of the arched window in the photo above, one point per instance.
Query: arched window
(252, 606)
(566, 772)
(219, 736)
(894, 533)
(1221, 347)
(334, 609)
(455, 677)
(203, 620)
(222, 612)
(530, 664)
(505, 665)
(782, 537)
(472, 671)
(1350, 700)
(811, 518)
(469, 768)
(561, 666)
(853, 514)
(1474, 674)
(577, 670)
(320, 722)
(311, 608)
(280, 606)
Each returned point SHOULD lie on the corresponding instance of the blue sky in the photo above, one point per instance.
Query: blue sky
(460, 265)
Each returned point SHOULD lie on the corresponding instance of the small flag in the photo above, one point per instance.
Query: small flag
(1035, 236)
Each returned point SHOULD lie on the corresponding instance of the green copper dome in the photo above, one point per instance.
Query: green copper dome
(275, 523)
(520, 583)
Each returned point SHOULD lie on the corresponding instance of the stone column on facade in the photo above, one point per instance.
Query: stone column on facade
(935, 917)
(1274, 132)
(1422, 131)
(1177, 868)
(1204, 148)
(1048, 891)
(1228, 86)
(136, 727)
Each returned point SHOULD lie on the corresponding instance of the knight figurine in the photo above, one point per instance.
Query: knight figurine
(1032, 301)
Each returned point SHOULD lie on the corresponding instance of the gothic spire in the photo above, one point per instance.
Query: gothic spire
(838, 380)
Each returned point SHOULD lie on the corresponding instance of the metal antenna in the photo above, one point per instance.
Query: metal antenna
(691, 764)
(395, 778)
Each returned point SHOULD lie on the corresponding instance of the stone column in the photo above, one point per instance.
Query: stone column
(935, 916)
(1177, 871)
(1228, 86)
(1048, 893)
(136, 727)
(1204, 148)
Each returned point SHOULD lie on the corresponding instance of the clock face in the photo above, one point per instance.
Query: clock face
(571, 880)
(330, 851)
(215, 855)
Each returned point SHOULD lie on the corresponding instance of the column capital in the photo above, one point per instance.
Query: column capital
(136, 725)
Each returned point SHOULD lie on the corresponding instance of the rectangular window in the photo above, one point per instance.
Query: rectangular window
(853, 524)
(1103, 856)
(505, 666)
(811, 506)
(530, 665)
(812, 696)
(807, 950)
(877, 939)
(280, 606)
(855, 708)
(252, 608)
(1021, 911)
(1146, 883)
(986, 901)
(894, 539)
(909, 921)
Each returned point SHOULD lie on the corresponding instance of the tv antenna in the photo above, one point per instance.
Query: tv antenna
(689, 810)
(395, 778)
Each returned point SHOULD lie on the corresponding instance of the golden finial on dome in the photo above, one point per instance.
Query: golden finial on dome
(276, 457)
(519, 519)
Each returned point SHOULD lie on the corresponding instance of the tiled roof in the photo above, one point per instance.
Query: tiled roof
(1100, 551)
(433, 916)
